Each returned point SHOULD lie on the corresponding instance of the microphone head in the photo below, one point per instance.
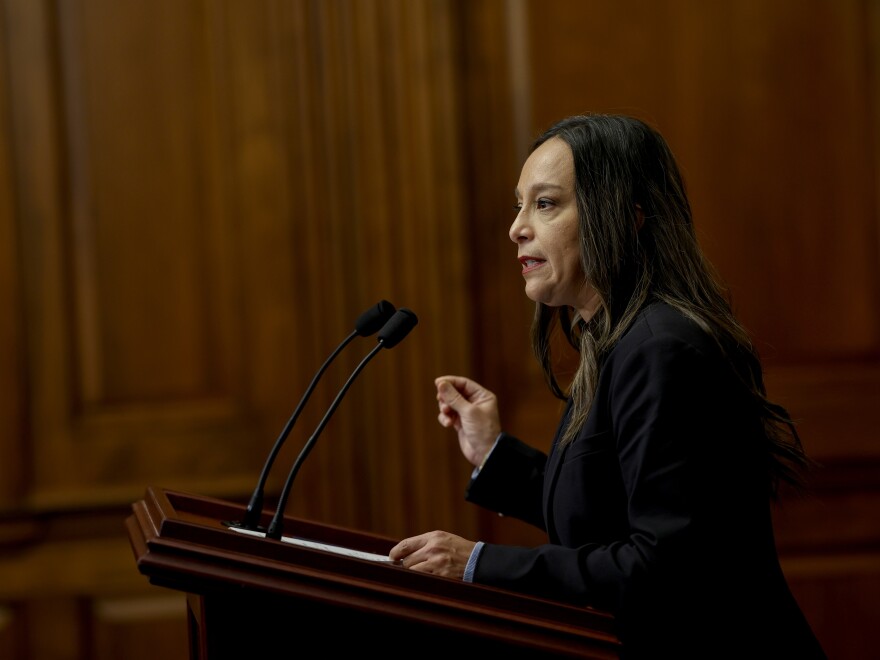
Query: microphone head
(374, 318)
(397, 327)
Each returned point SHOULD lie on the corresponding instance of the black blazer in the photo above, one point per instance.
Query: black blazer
(659, 510)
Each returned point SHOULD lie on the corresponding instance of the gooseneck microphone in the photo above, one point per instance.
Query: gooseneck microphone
(368, 323)
(391, 334)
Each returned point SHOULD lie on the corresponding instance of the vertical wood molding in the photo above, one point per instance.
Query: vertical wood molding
(13, 455)
(34, 141)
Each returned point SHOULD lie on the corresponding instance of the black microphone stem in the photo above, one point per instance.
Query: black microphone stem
(251, 519)
(275, 527)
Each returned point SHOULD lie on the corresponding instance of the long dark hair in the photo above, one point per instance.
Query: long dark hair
(626, 177)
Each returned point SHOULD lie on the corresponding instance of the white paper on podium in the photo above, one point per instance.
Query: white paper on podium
(369, 556)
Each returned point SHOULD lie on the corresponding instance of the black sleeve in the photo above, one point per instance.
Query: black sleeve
(511, 481)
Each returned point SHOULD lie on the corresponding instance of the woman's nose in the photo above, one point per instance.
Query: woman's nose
(519, 229)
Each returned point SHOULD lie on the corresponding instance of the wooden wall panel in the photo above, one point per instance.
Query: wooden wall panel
(140, 628)
(216, 210)
(62, 616)
(12, 398)
(11, 639)
(115, 275)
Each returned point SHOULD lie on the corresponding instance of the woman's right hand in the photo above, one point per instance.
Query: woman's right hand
(472, 411)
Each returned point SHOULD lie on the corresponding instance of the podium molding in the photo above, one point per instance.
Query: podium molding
(248, 595)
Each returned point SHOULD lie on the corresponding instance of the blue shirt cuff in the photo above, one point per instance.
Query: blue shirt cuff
(472, 562)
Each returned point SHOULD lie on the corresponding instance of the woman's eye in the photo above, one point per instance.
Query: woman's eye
(517, 207)
(543, 204)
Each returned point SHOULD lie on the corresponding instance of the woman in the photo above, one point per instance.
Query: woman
(656, 496)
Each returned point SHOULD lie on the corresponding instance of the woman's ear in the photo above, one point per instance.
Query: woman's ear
(640, 217)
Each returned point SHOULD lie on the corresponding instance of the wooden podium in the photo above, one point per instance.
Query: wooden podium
(248, 595)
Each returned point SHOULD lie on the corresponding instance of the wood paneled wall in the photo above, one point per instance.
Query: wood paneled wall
(197, 200)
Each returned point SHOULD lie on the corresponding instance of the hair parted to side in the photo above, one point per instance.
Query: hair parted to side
(623, 167)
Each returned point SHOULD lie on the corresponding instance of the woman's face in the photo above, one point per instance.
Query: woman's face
(545, 230)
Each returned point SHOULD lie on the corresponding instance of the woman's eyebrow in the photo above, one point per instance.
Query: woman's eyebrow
(539, 187)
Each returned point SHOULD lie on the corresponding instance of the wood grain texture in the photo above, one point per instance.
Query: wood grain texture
(198, 199)
(12, 331)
